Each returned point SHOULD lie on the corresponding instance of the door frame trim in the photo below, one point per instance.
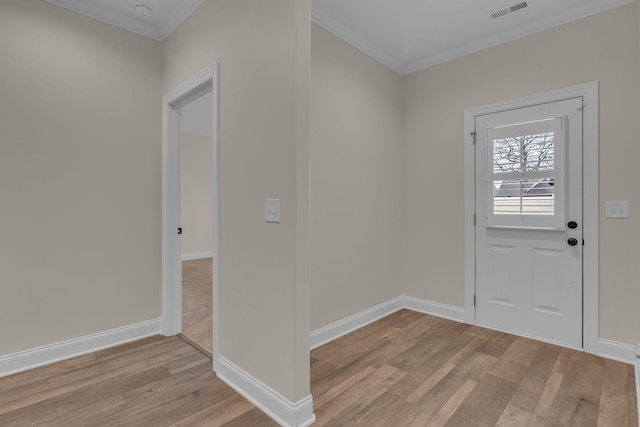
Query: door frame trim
(206, 81)
(590, 308)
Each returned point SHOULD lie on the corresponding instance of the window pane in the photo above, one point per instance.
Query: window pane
(538, 151)
(524, 197)
(507, 155)
(526, 152)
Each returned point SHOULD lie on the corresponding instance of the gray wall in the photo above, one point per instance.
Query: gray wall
(197, 194)
(356, 124)
(80, 159)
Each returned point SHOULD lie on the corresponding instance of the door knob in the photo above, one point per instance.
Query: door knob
(572, 241)
(572, 224)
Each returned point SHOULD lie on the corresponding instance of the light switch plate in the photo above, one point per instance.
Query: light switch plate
(617, 209)
(272, 210)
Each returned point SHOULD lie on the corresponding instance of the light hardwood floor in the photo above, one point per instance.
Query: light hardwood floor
(152, 382)
(196, 304)
(410, 369)
(407, 369)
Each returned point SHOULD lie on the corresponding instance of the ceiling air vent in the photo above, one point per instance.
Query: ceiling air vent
(507, 10)
(517, 7)
(499, 13)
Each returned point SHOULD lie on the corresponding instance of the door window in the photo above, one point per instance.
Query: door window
(526, 167)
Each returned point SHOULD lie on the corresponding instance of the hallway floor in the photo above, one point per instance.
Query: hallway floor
(152, 382)
(197, 292)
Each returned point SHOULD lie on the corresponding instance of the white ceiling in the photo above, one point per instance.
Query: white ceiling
(405, 35)
(166, 15)
(409, 35)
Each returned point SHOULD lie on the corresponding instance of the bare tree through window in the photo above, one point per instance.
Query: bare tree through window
(524, 153)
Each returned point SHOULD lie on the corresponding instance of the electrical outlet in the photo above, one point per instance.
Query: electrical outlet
(617, 209)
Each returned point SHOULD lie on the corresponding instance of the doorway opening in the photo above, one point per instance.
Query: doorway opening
(191, 220)
(196, 127)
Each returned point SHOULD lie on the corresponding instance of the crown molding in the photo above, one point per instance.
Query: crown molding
(504, 37)
(158, 29)
(407, 67)
(177, 17)
(354, 39)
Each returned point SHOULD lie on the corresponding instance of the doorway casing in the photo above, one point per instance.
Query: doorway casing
(201, 84)
(589, 93)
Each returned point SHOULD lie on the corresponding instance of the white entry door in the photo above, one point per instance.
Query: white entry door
(529, 221)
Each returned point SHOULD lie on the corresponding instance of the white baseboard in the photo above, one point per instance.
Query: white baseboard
(343, 327)
(199, 255)
(282, 411)
(616, 351)
(29, 359)
(433, 308)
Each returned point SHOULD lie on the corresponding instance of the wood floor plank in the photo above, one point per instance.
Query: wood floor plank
(378, 357)
(468, 350)
(405, 317)
(146, 405)
(485, 404)
(513, 416)
(341, 401)
(419, 326)
(83, 413)
(218, 414)
(440, 353)
(453, 346)
(452, 405)
(426, 408)
(430, 383)
(166, 412)
(497, 344)
(44, 372)
(577, 400)
(61, 402)
(429, 343)
(563, 360)
(353, 410)
(123, 366)
(633, 397)
(22, 391)
(334, 391)
(614, 396)
(251, 418)
(534, 381)
(516, 359)
(187, 363)
(197, 301)
(353, 351)
(382, 412)
(327, 350)
(547, 397)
